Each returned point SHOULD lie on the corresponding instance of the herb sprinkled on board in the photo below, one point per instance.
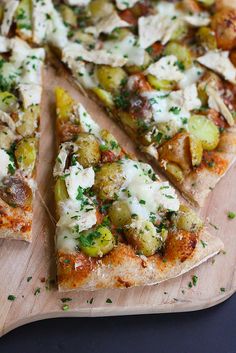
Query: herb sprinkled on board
(11, 297)
(231, 215)
(37, 291)
(222, 289)
(65, 307)
(65, 300)
(195, 279)
(29, 278)
(109, 301)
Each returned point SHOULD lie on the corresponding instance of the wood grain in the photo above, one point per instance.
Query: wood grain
(19, 261)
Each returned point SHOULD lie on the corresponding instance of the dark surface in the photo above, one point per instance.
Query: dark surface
(208, 331)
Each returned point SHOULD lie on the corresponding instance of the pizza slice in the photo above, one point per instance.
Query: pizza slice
(20, 95)
(165, 71)
(118, 224)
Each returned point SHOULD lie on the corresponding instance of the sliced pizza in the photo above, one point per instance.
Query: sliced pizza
(118, 224)
(20, 95)
(164, 70)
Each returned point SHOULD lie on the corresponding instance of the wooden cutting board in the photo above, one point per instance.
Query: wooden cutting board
(27, 271)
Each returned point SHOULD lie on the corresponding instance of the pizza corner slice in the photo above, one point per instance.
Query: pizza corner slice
(20, 96)
(118, 224)
(165, 71)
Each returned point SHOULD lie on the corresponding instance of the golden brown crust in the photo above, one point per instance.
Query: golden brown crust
(122, 268)
(15, 223)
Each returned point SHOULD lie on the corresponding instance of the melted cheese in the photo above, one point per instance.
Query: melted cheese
(191, 76)
(219, 62)
(4, 44)
(48, 24)
(144, 196)
(86, 122)
(9, 11)
(129, 48)
(198, 19)
(216, 102)
(125, 4)
(30, 94)
(4, 162)
(75, 51)
(173, 107)
(81, 71)
(166, 69)
(156, 28)
(78, 178)
(6, 118)
(107, 24)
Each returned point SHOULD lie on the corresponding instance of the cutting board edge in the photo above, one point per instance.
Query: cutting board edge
(125, 311)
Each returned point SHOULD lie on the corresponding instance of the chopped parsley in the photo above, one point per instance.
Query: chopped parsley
(222, 289)
(65, 307)
(231, 215)
(65, 300)
(203, 244)
(29, 278)
(37, 291)
(11, 297)
(195, 279)
(108, 301)
(175, 110)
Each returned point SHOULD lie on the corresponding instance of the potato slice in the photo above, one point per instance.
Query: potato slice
(175, 171)
(160, 84)
(187, 219)
(98, 242)
(104, 96)
(196, 150)
(8, 102)
(205, 130)
(110, 78)
(64, 103)
(26, 154)
(60, 191)
(182, 53)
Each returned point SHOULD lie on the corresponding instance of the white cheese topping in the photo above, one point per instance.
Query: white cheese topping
(129, 48)
(191, 76)
(81, 71)
(30, 94)
(9, 11)
(144, 196)
(86, 122)
(4, 44)
(219, 62)
(107, 24)
(198, 19)
(156, 28)
(4, 163)
(173, 107)
(78, 52)
(74, 214)
(125, 4)
(48, 24)
(166, 69)
(78, 178)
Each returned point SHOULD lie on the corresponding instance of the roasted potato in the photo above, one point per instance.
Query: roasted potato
(177, 151)
(224, 25)
(204, 130)
(97, 242)
(163, 85)
(119, 213)
(104, 96)
(100, 8)
(142, 235)
(26, 154)
(88, 153)
(175, 171)
(80, 36)
(68, 15)
(60, 191)
(187, 219)
(16, 192)
(64, 104)
(108, 180)
(206, 37)
(196, 150)
(182, 53)
(110, 142)
(110, 78)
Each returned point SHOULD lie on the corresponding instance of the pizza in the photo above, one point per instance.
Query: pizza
(164, 70)
(20, 95)
(118, 224)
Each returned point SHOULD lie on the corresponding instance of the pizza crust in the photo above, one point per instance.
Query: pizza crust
(15, 223)
(122, 268)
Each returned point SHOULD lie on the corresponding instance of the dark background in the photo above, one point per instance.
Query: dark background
(208, 331)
